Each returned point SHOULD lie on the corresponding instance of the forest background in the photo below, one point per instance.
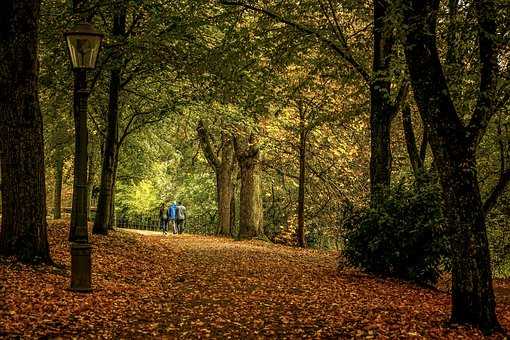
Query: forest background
(380, 129)
(205, 86)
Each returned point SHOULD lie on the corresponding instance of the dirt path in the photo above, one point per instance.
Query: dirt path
(189, 286)
(142, 232)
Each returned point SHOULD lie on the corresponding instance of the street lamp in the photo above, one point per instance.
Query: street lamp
(83, 43)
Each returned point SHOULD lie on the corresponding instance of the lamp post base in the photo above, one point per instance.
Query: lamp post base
(81, 280)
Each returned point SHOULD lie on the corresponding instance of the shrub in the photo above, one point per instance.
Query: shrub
(404, 238)
(498, 231)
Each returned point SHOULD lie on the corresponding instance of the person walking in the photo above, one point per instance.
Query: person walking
(180, 217)
(163, 218)
(172, 211)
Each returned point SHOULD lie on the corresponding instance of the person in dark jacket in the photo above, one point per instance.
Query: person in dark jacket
(180, 217)
(163, 218)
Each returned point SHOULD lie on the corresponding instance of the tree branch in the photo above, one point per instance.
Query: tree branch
(205, 142)
(504, 175)
(400, 98)
(341, 50)
(412, 149)
(496, 192)
(423, 147)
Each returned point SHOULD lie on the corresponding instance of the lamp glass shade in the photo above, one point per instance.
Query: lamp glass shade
(83, 44)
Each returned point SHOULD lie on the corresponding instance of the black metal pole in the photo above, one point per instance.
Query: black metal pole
(80, 247)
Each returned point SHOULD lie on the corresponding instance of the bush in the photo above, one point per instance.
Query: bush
(498, 232)
(404, 238)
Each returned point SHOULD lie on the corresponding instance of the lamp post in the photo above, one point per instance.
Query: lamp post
(83, 43)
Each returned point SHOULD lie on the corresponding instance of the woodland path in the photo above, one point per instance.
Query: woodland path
(191, 286)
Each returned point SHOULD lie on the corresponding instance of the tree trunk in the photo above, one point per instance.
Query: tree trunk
(223, 167)
(381, 109)
(233, 209)
(415, 156)
(300, 233)
(24, 229)
(105, 193)
(250, 200)
(225, 187)
(112, 220)
(472, 294)
(57, 194)
(103, 211)
(454, 149)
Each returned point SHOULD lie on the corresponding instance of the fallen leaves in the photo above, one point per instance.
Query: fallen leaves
(192, 286)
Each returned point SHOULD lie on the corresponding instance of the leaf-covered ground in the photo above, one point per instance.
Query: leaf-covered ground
(189, 286)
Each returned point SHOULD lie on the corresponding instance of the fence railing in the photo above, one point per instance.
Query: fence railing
(138, 222)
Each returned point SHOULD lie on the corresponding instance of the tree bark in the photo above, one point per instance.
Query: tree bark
(381, 110)
(300, 233)
(225, 187)
(454, 149)
(223, 167)
(233, 207)
(57, 194)
(103, 211)
(112, 219)
(23, 232)
(250, 200)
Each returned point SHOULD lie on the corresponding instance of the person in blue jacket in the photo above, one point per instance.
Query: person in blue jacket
(172, 213)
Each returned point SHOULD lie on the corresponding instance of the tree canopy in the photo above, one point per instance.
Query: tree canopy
(371, 128)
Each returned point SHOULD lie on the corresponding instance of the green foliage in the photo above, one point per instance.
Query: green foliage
(499, 240)
(404, 238)
(242, 73)
(166, 169)
(139, 198)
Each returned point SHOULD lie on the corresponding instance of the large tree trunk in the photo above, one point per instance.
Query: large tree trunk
(250, 200)
(225, 187)
(381, 109)
(57, 193)
(454, 149)
(104, 203)
(223, 167)
(24, 229)
(472, 294)
(300, 233)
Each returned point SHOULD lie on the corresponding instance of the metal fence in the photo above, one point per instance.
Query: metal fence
(138, 222)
